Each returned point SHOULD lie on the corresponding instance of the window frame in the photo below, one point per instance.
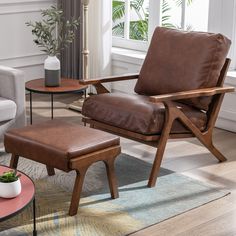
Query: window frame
(154, 20)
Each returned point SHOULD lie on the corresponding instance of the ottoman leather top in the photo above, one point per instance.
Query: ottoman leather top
(52, 140)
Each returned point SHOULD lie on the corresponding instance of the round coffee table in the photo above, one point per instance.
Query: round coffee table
(67, 86)
(13, 206)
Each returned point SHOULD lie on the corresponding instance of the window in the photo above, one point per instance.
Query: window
(131, 19)
(135, 20)
(130, 23)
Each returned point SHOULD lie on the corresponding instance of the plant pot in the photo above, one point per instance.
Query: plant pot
(52, 68)
(10, 190)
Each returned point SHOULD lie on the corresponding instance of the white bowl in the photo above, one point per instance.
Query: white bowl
(10, 190)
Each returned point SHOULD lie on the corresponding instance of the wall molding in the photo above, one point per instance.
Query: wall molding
(228, 115)
(19, 2)
(226, 124)
(23, 56)
(24, 60)
(22, 7)
(18, 50)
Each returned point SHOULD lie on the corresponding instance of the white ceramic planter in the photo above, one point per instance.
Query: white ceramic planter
(52, 68)
(10, 190)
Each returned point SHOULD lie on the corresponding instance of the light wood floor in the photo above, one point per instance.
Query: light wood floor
(188, 157)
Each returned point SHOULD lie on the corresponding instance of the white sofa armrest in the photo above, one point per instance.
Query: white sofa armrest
(12, 86)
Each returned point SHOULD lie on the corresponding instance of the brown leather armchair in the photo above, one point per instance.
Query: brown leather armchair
(179, 92)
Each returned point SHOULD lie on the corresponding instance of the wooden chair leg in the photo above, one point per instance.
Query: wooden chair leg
(169, 119)
(110, 168)
(14, 161)
(218, 155)
(77, 191)
(50, 171)
(158, 158)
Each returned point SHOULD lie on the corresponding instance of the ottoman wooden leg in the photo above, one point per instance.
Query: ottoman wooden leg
(77, 191)
(14, 161)
(50, 170)
(110, 167)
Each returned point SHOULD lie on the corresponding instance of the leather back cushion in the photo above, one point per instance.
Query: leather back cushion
(179, 61)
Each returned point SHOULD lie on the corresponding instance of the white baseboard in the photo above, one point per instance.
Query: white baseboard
(226, 124)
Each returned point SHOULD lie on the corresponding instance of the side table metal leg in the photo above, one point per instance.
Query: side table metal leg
(34, 215)
(31, 108)
(52, 106)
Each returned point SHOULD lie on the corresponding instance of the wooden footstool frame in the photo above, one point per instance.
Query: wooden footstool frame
(81, 164)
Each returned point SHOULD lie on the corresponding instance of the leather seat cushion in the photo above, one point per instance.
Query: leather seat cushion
(7, 109)
(180, 61)
(55, 142)
(135, 113)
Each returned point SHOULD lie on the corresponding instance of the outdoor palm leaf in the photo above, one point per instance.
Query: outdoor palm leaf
(118, 9)
(139, 30)
(179, 2)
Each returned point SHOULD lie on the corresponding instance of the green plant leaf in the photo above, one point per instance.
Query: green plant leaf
(179, 2)
(53, 32)
(118, 10)
(9, 177)
(118, 29)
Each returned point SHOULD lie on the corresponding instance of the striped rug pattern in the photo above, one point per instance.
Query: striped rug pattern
(136, 208)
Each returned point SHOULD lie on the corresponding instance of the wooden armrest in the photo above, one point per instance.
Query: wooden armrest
(191, 94)
(109, 79)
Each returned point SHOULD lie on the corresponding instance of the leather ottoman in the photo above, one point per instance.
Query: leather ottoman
(66, 147)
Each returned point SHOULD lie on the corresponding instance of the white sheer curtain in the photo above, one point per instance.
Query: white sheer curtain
(100, 37)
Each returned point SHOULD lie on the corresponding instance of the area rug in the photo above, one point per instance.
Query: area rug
(136, 208)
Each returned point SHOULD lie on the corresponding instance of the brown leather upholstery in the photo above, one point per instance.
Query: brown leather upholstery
(136, 113)
(180, 61)
(54, 143)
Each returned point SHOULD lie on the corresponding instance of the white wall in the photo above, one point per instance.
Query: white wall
(125, 61)
(227, 117)
(16, 42)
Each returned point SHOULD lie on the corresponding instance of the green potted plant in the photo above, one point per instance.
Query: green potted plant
(10, 185)
(52, 34)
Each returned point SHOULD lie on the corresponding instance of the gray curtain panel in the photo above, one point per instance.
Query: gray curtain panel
(71, 66)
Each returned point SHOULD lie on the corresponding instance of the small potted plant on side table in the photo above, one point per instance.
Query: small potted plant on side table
(53, 33)
(10, 185)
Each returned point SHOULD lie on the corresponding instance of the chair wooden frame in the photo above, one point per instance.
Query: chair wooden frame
(171, 114)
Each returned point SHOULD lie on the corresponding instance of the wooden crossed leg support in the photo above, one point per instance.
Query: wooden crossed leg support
(173, 113)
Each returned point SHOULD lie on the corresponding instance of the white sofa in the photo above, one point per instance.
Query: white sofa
(12, 99)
